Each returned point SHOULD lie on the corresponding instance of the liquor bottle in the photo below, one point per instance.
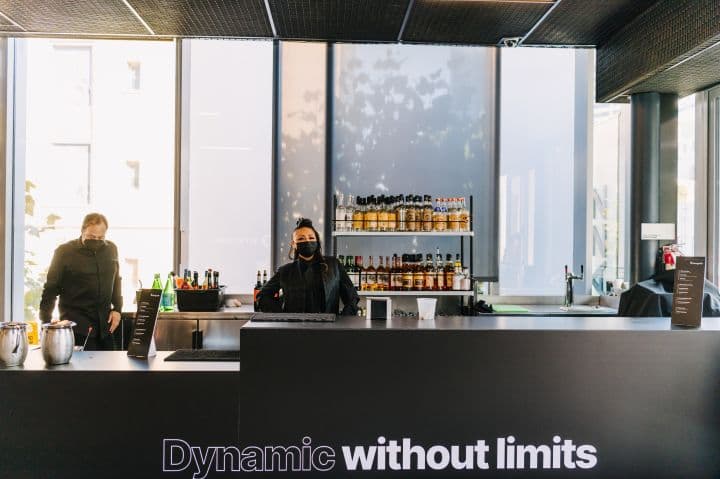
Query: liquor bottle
(453, 215)
(371, 276)
(167, 299)
(418, 273)
(382, 277)
(265, 278)
(427, 214)
(449, 272)
(339, 212)
(458, 264)
(256, 291)
(439, 272)
(411, 215)
(358, 219)
(430, 275)
(392, 214)
(349, 213)
(371, 215)
(395, 274)
(407, 273)
(464, 216)
(362, 277)
(157, 282)
(216, 279)
(350, 270)
(401, 214)
(439, 219)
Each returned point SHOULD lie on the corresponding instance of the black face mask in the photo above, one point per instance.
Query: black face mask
(93, 244)
(307, 248)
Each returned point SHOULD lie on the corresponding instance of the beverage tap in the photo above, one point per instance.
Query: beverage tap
(569, 293)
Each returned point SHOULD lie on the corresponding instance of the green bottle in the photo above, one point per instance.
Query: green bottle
(156, 284)
(167, 300)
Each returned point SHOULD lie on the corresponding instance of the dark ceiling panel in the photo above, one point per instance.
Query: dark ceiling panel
(362, 20)
(471, 22)
(697, 73)
(74, 16)
(583, 22)
(219, 18)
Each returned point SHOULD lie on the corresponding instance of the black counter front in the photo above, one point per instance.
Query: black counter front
(560, 397)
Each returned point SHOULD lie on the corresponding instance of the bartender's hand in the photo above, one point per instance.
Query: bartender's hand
(113, 320)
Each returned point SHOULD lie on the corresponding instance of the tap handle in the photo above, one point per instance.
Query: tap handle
(582, 271)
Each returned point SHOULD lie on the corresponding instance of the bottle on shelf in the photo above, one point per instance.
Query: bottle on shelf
(392, 214)
(371, 276)
(467, 281)
(464, 216)
(167, 298)
(381, 283)
(430, 275)
(439, 271)
(358, 218)
(458, 264)
(411, 218)
(427, 214)
(349, 213)
(453, 215)
(371, 215)
(216, 278)
(157, 282)
(418, 273)
(383, 214)
(350, 269)
(439, 217)
(396, 274)
(339, 212)
(449, 272)
(402, 212)
(265, 278)
(407, 273)
(362, 277)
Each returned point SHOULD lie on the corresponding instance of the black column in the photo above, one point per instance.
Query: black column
(653, 174)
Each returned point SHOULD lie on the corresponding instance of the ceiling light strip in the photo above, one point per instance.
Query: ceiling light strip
(12, 21)
(542, 19)
(270, 17)
(405, 20)
(137, 15)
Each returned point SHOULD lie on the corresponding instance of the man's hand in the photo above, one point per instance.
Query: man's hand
(113, 320)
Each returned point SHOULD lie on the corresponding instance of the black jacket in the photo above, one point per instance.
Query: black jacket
(88, 284)
(289, 278)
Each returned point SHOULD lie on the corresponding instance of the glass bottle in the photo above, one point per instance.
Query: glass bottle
(464, 216)
(427, 214)
(407, 273)
(339, 212)
(371, 276)
(392, 214)
(167, 299)
(353, 272)
(439, 217)
(429, 273)
(157, 282)
(371, 215)
(453, 215)
(402, 211)
(418, 273)
(411, 213)
(349, 213)
(439, 271)
(265, 278)
(362, 276)
(358, 222)
(382, 276)
(383, 214)
(449, 272)
(395, 275)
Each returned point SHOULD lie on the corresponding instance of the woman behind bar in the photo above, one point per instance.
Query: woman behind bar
(312, 283)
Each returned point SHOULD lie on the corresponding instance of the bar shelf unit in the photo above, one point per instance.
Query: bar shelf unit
(403, 233)
(415, 293)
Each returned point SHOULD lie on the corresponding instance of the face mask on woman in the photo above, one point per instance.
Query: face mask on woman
(306, 248)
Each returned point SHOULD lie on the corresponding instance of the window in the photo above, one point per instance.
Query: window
(538, 128)
(229, 93)
(75, 134)
(686, 175)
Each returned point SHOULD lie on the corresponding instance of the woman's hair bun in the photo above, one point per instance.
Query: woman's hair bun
(304, 223)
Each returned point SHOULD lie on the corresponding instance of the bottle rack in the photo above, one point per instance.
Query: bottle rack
(457, 234)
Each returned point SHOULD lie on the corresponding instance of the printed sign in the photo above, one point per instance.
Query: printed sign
(142, 344)
(687, 304)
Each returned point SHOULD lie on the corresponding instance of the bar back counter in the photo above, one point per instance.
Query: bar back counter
(455, 397)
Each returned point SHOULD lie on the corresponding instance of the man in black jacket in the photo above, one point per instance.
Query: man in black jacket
(85, 274)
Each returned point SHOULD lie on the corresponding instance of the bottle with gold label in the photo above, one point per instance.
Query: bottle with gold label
(453, 215)
(392, 214)
(449, 272)
(439, 217)
(358, 218)
(396, 280)
(401, 214)
(427, 214)
(407, 273)
(430, 275)
(383, 213)
(464, 216)
(371, 215)
(371, 276)
(381, 284)
(418, 273)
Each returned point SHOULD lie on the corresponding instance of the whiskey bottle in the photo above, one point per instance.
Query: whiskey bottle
(381, 283)
(371, 276)
(371, 215)
(349, 213)
(396, 274)
(427, 214)
(392, 214)
(464, 216)
(430, 275)
(439, 218)
(411, 213)
(453, 215)
(418, 273)
(449, 272)
(402, 211)
(339, 212)
(407, 273)
(383, 214)
(358, 218)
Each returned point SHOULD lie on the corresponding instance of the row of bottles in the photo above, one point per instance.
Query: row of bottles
(189, 280)
(401, 213)
(408, 272)
(259, 283)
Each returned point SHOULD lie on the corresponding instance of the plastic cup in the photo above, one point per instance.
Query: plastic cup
(426, 308)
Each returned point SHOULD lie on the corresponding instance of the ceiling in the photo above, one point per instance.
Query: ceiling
(641, 44)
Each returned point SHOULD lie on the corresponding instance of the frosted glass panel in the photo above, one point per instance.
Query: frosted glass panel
(230, 164)
(536, 169)
(417, 119)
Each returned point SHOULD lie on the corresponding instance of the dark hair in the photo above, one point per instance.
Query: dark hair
(93, 219)
(306, 223)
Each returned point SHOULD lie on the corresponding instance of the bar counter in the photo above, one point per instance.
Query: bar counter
(635, 398)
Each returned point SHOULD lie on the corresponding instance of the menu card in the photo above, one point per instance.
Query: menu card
(687, 304)
(142, 344)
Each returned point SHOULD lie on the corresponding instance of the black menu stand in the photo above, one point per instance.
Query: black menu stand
(142, 341)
